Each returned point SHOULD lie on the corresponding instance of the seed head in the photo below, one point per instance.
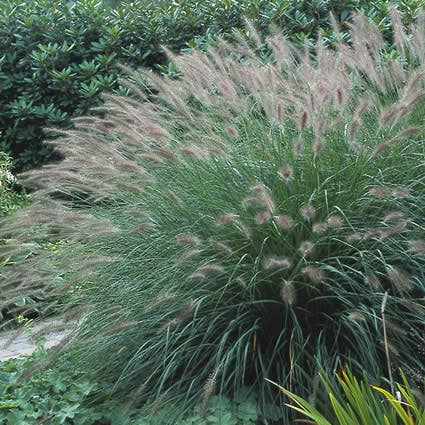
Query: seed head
(393, 349)
(142, 227)
(394, 230)
(306, 248)
(417, 306)
(166, 325)
(403, 134)
(227, 90)
(372, 281)
(284, 221)
(186, 312)
(286, 173)
(371, 233)
(145, 181)
(211, 268)
(134, 212)
(190, 240)
(213, 150)
(318, 145)
(339, 96)
(393, 216)
(314, 273)
(417, 246)
(263, 217)
(380, 148)
(173, 196)
(279, 113)
(387, 114)
(250, 200)
(265, 196)
(303, 120)
(378, 192)
(298, 147)
(208, 391)
(357, 316)
(395, 328)
(241, 282)
(194, 152)
(244, 229)
(308, 212)
(166, 154)
(335, 222)
(362, 106)
(153, 157)
(231, 131)
(401, 192)
(400, 279)
(276, 263)
(120, 327)
(197, 276)
(157, 404)
(227, 218)
(259, 188)
(159, 300)
(222, 247)
(319, 228)
(287, 293)
(188, 256)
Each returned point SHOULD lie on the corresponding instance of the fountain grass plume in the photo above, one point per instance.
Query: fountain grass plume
(245, 212)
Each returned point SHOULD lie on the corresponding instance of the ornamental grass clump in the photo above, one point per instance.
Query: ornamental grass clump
(243, 223)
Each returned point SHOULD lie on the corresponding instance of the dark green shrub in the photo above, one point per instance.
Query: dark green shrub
(12, 195)
(246, 223)
(56, 57)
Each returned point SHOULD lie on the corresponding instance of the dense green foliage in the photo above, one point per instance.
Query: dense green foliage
(61, 395)
(350, 401)
(56, 57)
(11, 195)
(54, 396)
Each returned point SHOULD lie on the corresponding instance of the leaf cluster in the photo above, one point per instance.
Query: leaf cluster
(62, 395)
(11, 194)
(350, 401)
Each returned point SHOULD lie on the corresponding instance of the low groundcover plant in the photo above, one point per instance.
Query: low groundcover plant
(245, 223)
(61, 395)
(354, 402)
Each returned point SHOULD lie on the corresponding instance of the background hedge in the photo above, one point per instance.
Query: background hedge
(12, 196)
(57, 57)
